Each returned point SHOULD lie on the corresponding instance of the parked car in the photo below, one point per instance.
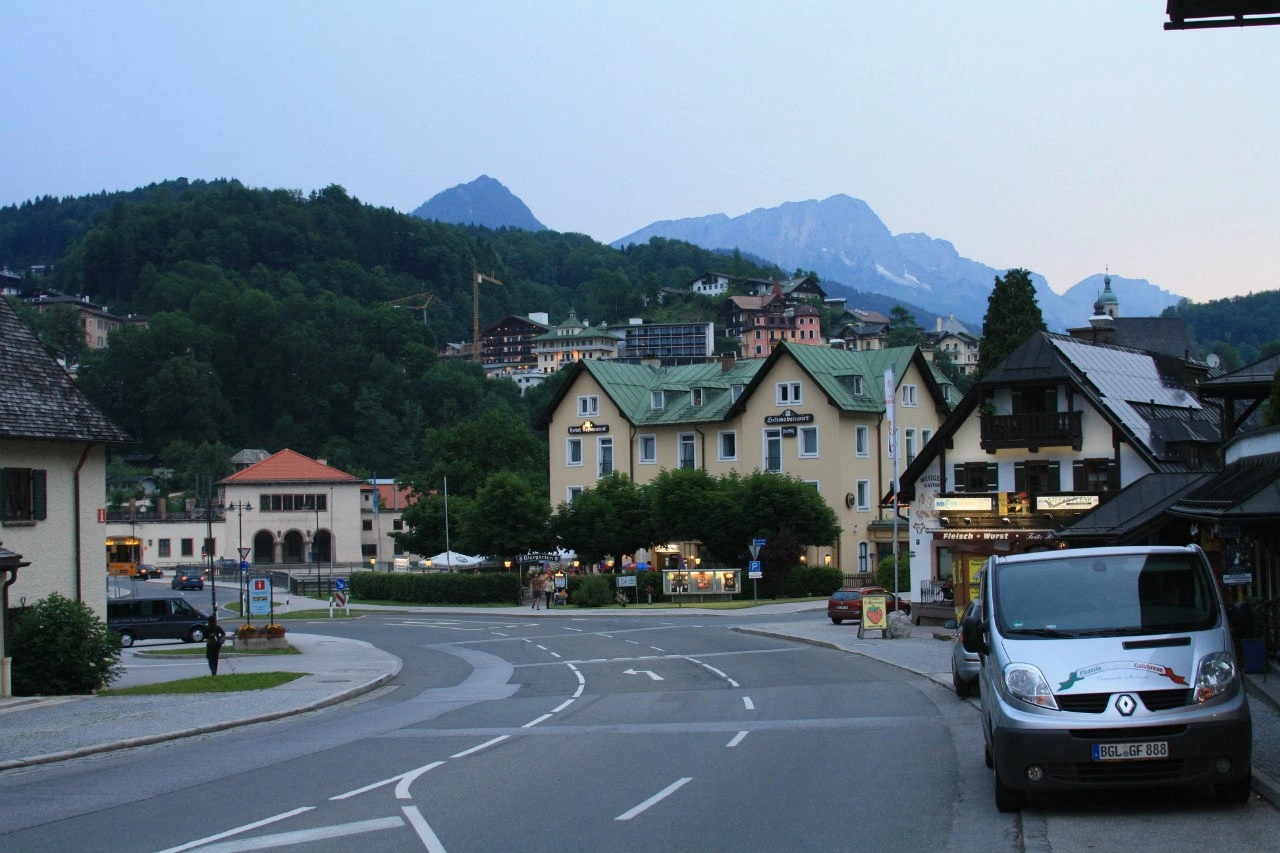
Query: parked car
(226, 564)
(964, 663)
(187, 579)
(846, 602)
(157, 619)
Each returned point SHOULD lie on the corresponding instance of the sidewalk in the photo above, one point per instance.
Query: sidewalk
(40, 730)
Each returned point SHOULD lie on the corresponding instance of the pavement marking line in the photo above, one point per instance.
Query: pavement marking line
(420, 826)
(499, 634)
(633, 642)
(565, 704)
(485, 745)
(533, 723)
(656, 649)
(655, 799)
(304, 836)
(746, 700)
(402, 790)
(567, 628)
(737, 739)
(553, 654)
(248, 826)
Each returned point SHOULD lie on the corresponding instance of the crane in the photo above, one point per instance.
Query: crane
(476, 278)
(416, 301)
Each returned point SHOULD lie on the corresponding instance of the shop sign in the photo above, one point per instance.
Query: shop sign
(587, 428)
(993, 535)
(788, 416)
(962, 504)
(1047, 502)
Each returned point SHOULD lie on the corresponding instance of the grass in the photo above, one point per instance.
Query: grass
(199, 651)
(229, 683)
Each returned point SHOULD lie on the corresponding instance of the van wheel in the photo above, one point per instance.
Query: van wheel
(961, 686)
(1008, 799)
(126, 639)
(196, 635)
(1235, 793)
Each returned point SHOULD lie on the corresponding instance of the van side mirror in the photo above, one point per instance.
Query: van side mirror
(974, 633)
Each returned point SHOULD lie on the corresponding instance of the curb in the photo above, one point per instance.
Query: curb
(145, 740)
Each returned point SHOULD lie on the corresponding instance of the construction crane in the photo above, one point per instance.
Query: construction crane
(476, 278)
(417, 302)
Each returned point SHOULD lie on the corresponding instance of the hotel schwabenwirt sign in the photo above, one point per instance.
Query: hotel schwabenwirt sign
(788, 416)
(588, 428)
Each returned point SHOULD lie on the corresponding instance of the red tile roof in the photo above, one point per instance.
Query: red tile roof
(289, 466)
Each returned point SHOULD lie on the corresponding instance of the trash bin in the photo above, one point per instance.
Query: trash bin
(1255, 654)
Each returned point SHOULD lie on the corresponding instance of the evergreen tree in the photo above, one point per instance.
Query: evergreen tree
(1013, 316)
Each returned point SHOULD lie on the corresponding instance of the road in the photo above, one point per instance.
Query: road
(571, 734)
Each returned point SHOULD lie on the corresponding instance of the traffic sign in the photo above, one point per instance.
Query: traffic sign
(756, 545)
(340, 599)
(244, 554)
(753, 570)
(339, 583)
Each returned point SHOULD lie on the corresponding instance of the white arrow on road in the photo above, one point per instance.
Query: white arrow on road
(647, 672)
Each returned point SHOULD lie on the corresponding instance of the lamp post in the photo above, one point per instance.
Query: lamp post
(241, 507)
(213, 642)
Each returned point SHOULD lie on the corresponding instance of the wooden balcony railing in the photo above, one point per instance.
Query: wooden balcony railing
(1039, 429)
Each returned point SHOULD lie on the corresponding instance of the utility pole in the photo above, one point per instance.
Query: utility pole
(476, 278)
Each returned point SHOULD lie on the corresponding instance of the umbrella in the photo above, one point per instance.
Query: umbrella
(642, 567)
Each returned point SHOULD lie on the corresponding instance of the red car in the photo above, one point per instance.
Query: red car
(846, 602)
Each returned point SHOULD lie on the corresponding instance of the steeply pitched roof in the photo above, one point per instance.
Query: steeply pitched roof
(1133, 512)
(289, 466)
(1247, 489)
(38, 400)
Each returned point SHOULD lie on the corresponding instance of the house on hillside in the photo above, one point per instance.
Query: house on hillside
(861, 329)
(808, 411)
(96, 321)
(53, 458)
(960, 345)
(507, 346)
(573, 341)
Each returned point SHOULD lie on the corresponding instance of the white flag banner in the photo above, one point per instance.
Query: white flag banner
(890, 390)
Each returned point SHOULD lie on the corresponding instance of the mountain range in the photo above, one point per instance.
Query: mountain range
(845, 243)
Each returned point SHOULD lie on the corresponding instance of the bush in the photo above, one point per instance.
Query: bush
(884, 573)
(436, 587)
(61, 647)
(811, 581)
(593, 591)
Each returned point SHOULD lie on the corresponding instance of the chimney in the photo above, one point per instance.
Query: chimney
(727, 361)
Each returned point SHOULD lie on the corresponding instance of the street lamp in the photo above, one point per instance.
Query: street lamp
(241, 507)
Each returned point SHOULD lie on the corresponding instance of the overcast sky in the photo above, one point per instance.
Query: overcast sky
(1059, 136)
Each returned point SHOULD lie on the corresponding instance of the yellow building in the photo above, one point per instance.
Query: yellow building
(811, 412)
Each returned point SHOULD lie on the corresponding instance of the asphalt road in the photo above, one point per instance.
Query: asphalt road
(570, 734)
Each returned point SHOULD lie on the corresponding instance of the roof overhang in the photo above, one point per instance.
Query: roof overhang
(1204, 14)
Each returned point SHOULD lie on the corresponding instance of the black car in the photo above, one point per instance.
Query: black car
(187, 579)
(157, 619)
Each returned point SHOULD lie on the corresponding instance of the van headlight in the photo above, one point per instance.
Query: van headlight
(1217, 674)
(1026, 682)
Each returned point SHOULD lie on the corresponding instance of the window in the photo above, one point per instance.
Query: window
(573, 493)
(864, 557)
(188, 547)
(909, 395)
(695, 396)
(773, 450)
(1036, 476)
(24, 494)
(397, 524)
(657, 399)
(862, 441)
(864, 495)
(808, 441)
(735, 391)
(728, 446)
(977, 477)
(788, 393)
(855, 385)
(686, 453)
(573, 451)
(909, 443)
(604, 452)
(164, 548)
(648, 449)
(293, 503)
(366, 524)
(925, 435)
(589, 406)
(1091, 475)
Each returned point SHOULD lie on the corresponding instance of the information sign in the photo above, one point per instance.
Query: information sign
(260, 596)
(753, 570)
(626, 580)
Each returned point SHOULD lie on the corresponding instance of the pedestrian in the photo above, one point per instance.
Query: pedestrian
(212, 647)
(549, 588)
(535, 586)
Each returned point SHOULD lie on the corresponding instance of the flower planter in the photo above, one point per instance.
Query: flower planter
(254, 644)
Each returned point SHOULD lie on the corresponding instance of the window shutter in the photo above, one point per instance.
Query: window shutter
(1077, 475)
(959, 482)
(4, 493)
(1019, 476)
(39, 492)
(1055, 476)
(993, 477)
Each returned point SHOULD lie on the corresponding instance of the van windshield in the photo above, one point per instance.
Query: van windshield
(1116, 595)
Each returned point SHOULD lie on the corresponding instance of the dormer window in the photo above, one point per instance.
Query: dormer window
(735, 391)
(657, 400)
(695, 397)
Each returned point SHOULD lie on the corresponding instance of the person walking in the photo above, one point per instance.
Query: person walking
(535, 586)
(549, 589)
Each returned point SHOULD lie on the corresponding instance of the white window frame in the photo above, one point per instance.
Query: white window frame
(686, 439)
(572, 493)
(772, 434)
(589, 406)
(857, 385)
(862, 441)
(788, 394)
(864, 558)
(863, 494)
(909, 443)
(657, 399)
(569, 444)
(603, 443)
(695, 397)
(720, 439)
(909, 398)
(802, 436)
(735, 391)
(925, 435)
(647, 441)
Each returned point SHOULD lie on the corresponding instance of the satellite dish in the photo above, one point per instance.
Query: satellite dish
(1214, 359)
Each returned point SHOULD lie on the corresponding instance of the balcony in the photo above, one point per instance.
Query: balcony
(1032, 430)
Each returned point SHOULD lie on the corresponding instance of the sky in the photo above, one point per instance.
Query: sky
(1066, 138)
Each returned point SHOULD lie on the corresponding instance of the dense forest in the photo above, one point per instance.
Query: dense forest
(268, 324)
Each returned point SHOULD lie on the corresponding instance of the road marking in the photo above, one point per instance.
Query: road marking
(655, 799)
(656, 649)
(565, 704)
(415, 774)
(304, 836)
(647, 672)
(238, 829)
(737, 739)
(500, 634)
(633, 642)
(746, 700)
(533, 723)
(484, 745)
(402, 790)
(553, 654)
(420, 826)
(567, 628)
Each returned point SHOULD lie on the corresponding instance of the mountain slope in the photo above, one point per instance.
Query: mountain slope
(484, 202)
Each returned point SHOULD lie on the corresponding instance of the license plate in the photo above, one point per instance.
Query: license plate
(842, 607)
(1138, 751)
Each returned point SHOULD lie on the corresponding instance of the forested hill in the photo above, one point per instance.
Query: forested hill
(268, 323)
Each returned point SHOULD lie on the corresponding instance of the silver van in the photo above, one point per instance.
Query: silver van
(1108, 668)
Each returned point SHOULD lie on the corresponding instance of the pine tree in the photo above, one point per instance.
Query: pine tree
(1012, 317)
